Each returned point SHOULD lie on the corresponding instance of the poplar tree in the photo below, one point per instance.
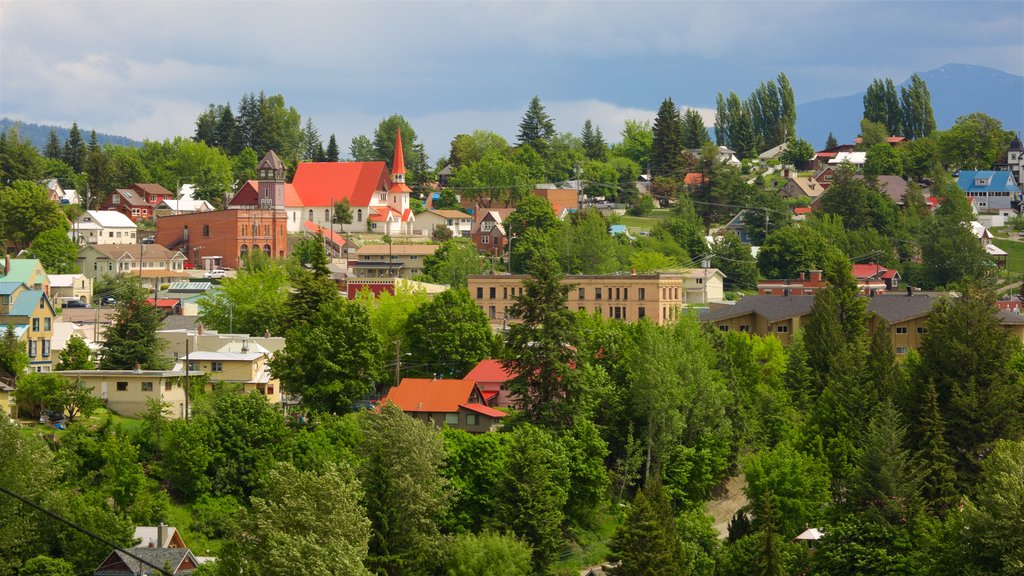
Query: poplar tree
(882, 105)
(916, 103)
(667, 147)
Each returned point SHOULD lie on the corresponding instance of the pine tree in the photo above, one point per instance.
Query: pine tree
(593, 142)
(888, 477)
(768, 542)
(646, 542)
(831, 142)
(695, 134)
(667, 147)
(884, 376)
(226, 133)
(131, 337)
(53, 149)
(13, 359)
(536, 129)
(938, 484)
(311, 141)
(74, 149)
(332, 154)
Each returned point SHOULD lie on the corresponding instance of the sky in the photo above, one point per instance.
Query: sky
(146, 69)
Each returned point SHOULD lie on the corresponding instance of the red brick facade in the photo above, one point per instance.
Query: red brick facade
(222, 237)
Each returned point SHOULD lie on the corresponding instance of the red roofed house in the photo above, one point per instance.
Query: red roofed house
(489, 234)
(137, 202)
(379, 200)
(453, 403)
(869, 274)
(490, 377)
(695, 179)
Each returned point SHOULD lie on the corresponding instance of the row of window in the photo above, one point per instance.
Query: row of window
(244, 250)
(35, 346)
(780, 329)
(214, 366)
(612, 293)
(46, 322)
(903, 330)
(452, 419)
(506, 292)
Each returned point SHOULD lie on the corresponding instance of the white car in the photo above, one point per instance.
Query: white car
(215, 273)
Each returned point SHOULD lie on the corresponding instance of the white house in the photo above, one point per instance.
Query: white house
(175, 207)
(460, 223)
(855, 158)
(103, 227)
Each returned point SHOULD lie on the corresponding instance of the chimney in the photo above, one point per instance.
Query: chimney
(632, 271)
(138, 368)
(815, 275)
(161, 535)
(245, 346)
(7, 263)
(200, 329)
(802, 278)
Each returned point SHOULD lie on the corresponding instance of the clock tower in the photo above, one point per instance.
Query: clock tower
(270, 179)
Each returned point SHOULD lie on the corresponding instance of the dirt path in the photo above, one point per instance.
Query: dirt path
(725, 506)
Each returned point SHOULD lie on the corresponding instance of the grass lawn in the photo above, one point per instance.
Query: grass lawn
(1014, 254)
(639, 223)
(179, 516)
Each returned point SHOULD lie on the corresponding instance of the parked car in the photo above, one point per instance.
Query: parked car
(108, 301)
(215, 273)
(149, 240)
(74, 303)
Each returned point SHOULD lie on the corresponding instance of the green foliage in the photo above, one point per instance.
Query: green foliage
(473, 465)
(498, 176)
(469, 148)
(938, 481)
(385, 139)
(975, 141)
(593, 142)
(253, 302)
(56, 251)
(882, 106)
(798, 152)
(888, 479)
(213, 516)
(734, 259)
(26, 212)
(791, 483)
(882, 159)
(667, 145)
(791, 250)
(452, 263)
(13, 358)
(992, 518)
(46, 566)
(448, 335)
(311, 519)
(332, 153)
(585, 245)
(405, 493)
(488, 554)
(695, 134)
(637, 141)
(916, 105)
(41, 389)
(646, 543)
(856, 546)
(131, 337)
(19, 159)
(76, 355)
(536, 129)
(27, 471)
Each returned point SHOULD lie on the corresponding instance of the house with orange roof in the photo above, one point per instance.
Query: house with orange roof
(449, 402)
(695, 179)
(490, 377)
(379, 200)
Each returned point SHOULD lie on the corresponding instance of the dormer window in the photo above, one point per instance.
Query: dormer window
(982, 181)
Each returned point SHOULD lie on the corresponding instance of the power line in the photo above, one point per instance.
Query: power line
(88, 533)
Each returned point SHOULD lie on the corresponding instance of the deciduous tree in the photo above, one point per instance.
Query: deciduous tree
(448, 335)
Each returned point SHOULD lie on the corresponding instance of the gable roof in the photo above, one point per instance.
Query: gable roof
(998, 181)
(489, 370)
(808, 186)
(453, 214)
(432, 395)
(187, 205)
(134, 251)
(248, 195)
(868, 271)
(152, 189)
(22, 271)
(324, 183)
(851, 157)
(131, 197)
(107, 219)
(148, 536)
(270, 160)
(894, 186)
(771, 308)
(118, 562)
(27, 302)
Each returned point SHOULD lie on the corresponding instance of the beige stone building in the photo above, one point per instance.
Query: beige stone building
(390, 260)
(127, 391)
(153, 263)
(64, 287)
(657, 296)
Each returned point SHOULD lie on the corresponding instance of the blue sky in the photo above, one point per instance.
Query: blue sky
(146, 69)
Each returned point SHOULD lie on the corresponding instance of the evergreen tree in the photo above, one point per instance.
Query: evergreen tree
(332, 154)
(646, 542)
(131, 337)
(311, 142)
(226, 133)
(53, 149)
(768, 542)
(916, 103)
(667, 147)
(888, 477)
(539, 346)
(831, 142)
(734, 259)
(695, 134)
(536, 129)
(884, 376)
(593, 142)
(938, 482)
(74, 149)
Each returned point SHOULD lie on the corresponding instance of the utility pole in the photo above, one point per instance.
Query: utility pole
(398, 361)
(188, 380)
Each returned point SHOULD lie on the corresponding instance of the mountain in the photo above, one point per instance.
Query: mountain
(957, 89)
(39, 134)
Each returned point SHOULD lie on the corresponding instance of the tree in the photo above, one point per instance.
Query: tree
(888, 477)
(593, 142)
(19, 159)
(637, 139)
(330, 360)
(29, 471)
(872, 133)
(453, 262)
(667, 145)
(76, 355)
(448, 335)
(882, 105)
(342, 214)
(488, 554)
(992, 518)
(405, 494)
(695, 134)
(74, 149)
(312, 145)
(468, 148)
(495, 177)
(54, 392)
(533, 485)
(253, 302)
(56, 251)
(949, 249)
(916, 105)
(882, 159)
(974, 141)
(273, 535)
(789, 482)
(536, 129)
(53, 149)
(361, 149)
(531, 212)
(540, 347)
(791, 250)
(333, 154)
(938, 481)
(46, 566)
(131, 338)
(831, 142)
(734, 259)
(26, 212)
(646, 542)
(798, 152)
(384, 140)
(13, 358)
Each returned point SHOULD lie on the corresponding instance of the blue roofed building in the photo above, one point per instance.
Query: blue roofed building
(990, 190)
(29, 312)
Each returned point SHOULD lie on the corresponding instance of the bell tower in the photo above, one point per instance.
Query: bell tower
(398, 193)
(270, 178)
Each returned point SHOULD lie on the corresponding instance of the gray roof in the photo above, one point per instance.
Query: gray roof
(892, 308)
(771, 308)
(115, 564)
(175, 322)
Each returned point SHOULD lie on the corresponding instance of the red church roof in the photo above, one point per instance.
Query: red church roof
(248, 195)
(398, 167)
(324, 183)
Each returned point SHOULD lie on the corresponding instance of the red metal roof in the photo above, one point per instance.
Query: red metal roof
(165, 302)
(329, 234)
(427, 395)
(802, 210)
(489, 371)
(864, 271)
(694, 179)
(324, 183)
(248, 195)
(398, 166)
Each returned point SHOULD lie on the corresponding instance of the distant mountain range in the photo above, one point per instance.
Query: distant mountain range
(39, 134)
(957, 89)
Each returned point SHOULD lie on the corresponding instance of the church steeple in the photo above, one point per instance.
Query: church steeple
(398, 168)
